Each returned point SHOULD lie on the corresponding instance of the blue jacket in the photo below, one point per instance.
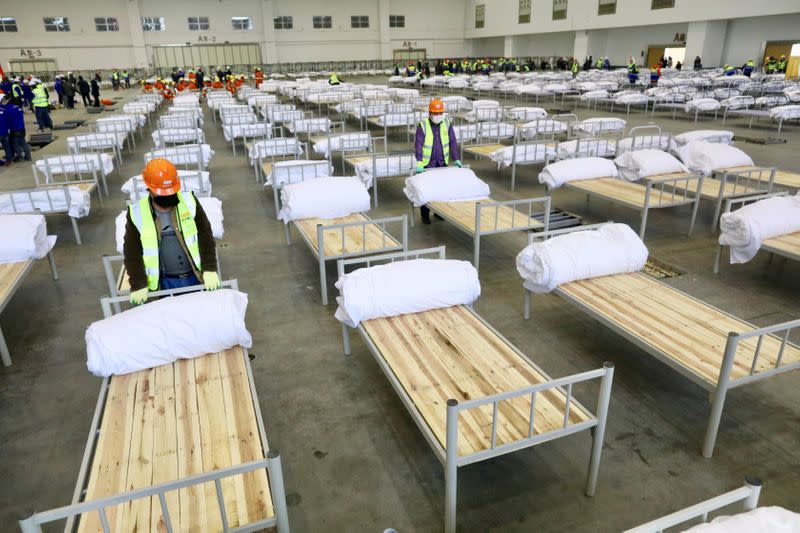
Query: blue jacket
(3, 121)
(58, 86)
(27, 92)
(5, 86)
(16, 120)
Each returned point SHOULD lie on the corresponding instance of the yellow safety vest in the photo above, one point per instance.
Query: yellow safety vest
(116, 76)
(142, 218)
(16, 90)
(39, 98)
(334, 78)
(427, 144)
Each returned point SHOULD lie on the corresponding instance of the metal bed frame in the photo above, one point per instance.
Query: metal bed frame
(272, 463)
(448, 455)
(527, 224)
(92, 160)
(67, 181)
(628, 105)
(741, 201)
(285, 143)
(718, 391)
(319, 252)
(124, 127)
(200, 190)
(255, 130)
(412, 119)
(178, 121)
(355, 146)
(52, 210)
(198, 137)
(186, 156)
(747, 495)
(402, 172)
(102, 142)
(590, 147)
(745, 183)
(5, 355)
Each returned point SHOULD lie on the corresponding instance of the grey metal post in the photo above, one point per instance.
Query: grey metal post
(477, 236)
(526, 313)
(752, 500)
(75, 229)
(599, 430)
(278, 491)
(718, 401)
(643, 222)
(404, 234)
(323, 285)
(288, 231)
(451, 467)
(346, 338)
(717, 258)
(52, 260)
(513, 162)
(5, 355)
(29, 525)
(411, 214)
(697, 205)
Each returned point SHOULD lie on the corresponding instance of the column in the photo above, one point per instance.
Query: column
(707, 40)
(385, 41)
(580, 48)
(508, 46)
(269, 45)
(138, 49)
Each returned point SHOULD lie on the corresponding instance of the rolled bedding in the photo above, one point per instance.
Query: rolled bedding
(640, 164)
(328, 197)
(745, 229)
(448, 184)
(557, 174)
(24, 237)
(719, 136)
(165, 330)
(760, 520)
(610, 249)
(404, 287)
(705, 157)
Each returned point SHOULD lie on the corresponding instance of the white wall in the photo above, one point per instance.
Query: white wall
(489, 47)
(542, 45)
(620, 43)
(746, 37)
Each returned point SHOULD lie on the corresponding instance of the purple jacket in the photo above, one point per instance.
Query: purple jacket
(437, 156)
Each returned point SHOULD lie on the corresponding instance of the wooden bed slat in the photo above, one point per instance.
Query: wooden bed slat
(790, 243)
(10, 276)
(689, 331)
(173, 421)
(625, 192)
(353, 235)
(449, 353)
(784, 178)
(463, 214)
(484, 150)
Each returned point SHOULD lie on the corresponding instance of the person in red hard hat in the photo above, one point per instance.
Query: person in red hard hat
(435, 145)
(168, 238)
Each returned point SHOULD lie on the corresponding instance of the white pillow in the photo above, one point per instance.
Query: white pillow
(163, 331)
(581, 168)
(23, 237)
(405, 287)
(448, 184)
(721, 136)
(644, 163)
(328, 197)
(705, 157)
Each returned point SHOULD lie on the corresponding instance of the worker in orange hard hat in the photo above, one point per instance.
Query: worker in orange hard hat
(259, 77)
(168, 238)
(435, 145)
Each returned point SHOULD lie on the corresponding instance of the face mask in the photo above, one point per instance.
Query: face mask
(166, 201)
(436, 119)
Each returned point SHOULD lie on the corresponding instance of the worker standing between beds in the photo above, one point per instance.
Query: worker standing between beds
(168, 238)
(435, 140)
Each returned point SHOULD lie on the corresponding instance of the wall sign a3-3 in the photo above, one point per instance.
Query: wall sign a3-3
(28, 52)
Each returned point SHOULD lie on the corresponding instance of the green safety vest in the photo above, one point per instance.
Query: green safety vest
(334, 78)
(599, 63)
(116, 76)
(632, 68)
(427, 144)
(782, 64)
(143, 219)
(575, 67)
(16, 90)
(772, 65)
(39, 97)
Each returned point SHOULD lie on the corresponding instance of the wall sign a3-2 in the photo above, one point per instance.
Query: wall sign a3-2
(27, 52)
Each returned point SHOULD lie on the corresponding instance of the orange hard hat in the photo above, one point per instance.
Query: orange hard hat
(161, 177)
(436, 106)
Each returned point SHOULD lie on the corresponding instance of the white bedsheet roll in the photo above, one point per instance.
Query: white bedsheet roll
(448, 184)
(557, 174)
(328, 197)
(610, 249)
(390, 165)
(73, 200)
(212, 207)
(24, 237)
(745, 229)
(163, 331)
(719, 136)
(405, 287)
(761, 520)
(705, 157)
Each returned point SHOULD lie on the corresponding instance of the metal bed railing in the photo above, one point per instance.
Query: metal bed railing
(743, 182)
(124, 128)
(388, 243)
(540, 152)
(70, 165)
(747, 495)
(77, 180)
(671, 191)
(288, 174)
(97, 142)
(178, 136)
(178, 121)
(273, 149)
(354, 144)
(193, 182)
(590, 147)
(42, 201)
(187, 156)
(406, 163)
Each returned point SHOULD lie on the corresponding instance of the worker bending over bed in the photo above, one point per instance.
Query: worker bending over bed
(168, 238)
(435, 141)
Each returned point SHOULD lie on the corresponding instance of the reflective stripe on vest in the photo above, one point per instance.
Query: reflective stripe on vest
(39, 98)
(16, 90)
(427, 144)
(142, 218)
(334, 78)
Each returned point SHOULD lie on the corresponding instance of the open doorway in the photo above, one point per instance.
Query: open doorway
(677, 55)
(655, 53)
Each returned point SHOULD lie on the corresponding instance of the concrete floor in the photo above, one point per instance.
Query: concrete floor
(353, 458)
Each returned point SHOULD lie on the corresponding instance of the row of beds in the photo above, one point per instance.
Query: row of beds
(471, 392)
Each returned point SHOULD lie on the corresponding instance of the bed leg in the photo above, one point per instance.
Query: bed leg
(411, 215)
(288, 231)
(451, 467)
(278, 491)
(643, 223)
(718, 398)
(5, 355)
(29, 525)
(75, 230)
(715, 220)
(52, 260)
(346, 339)
(323, 282)
(717, 258)
(600, 429)
(695, 207)
(477, 257)
(526, 313)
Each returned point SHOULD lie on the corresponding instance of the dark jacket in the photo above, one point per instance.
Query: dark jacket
(83, 87)
(95, 88)
(69, 88)
(15, 118)
(132, 247)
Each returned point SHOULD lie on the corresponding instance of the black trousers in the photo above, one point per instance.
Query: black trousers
(86, 99)
(97, 100)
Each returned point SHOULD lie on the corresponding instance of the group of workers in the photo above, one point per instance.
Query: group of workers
(12, 131)
(120, 77)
